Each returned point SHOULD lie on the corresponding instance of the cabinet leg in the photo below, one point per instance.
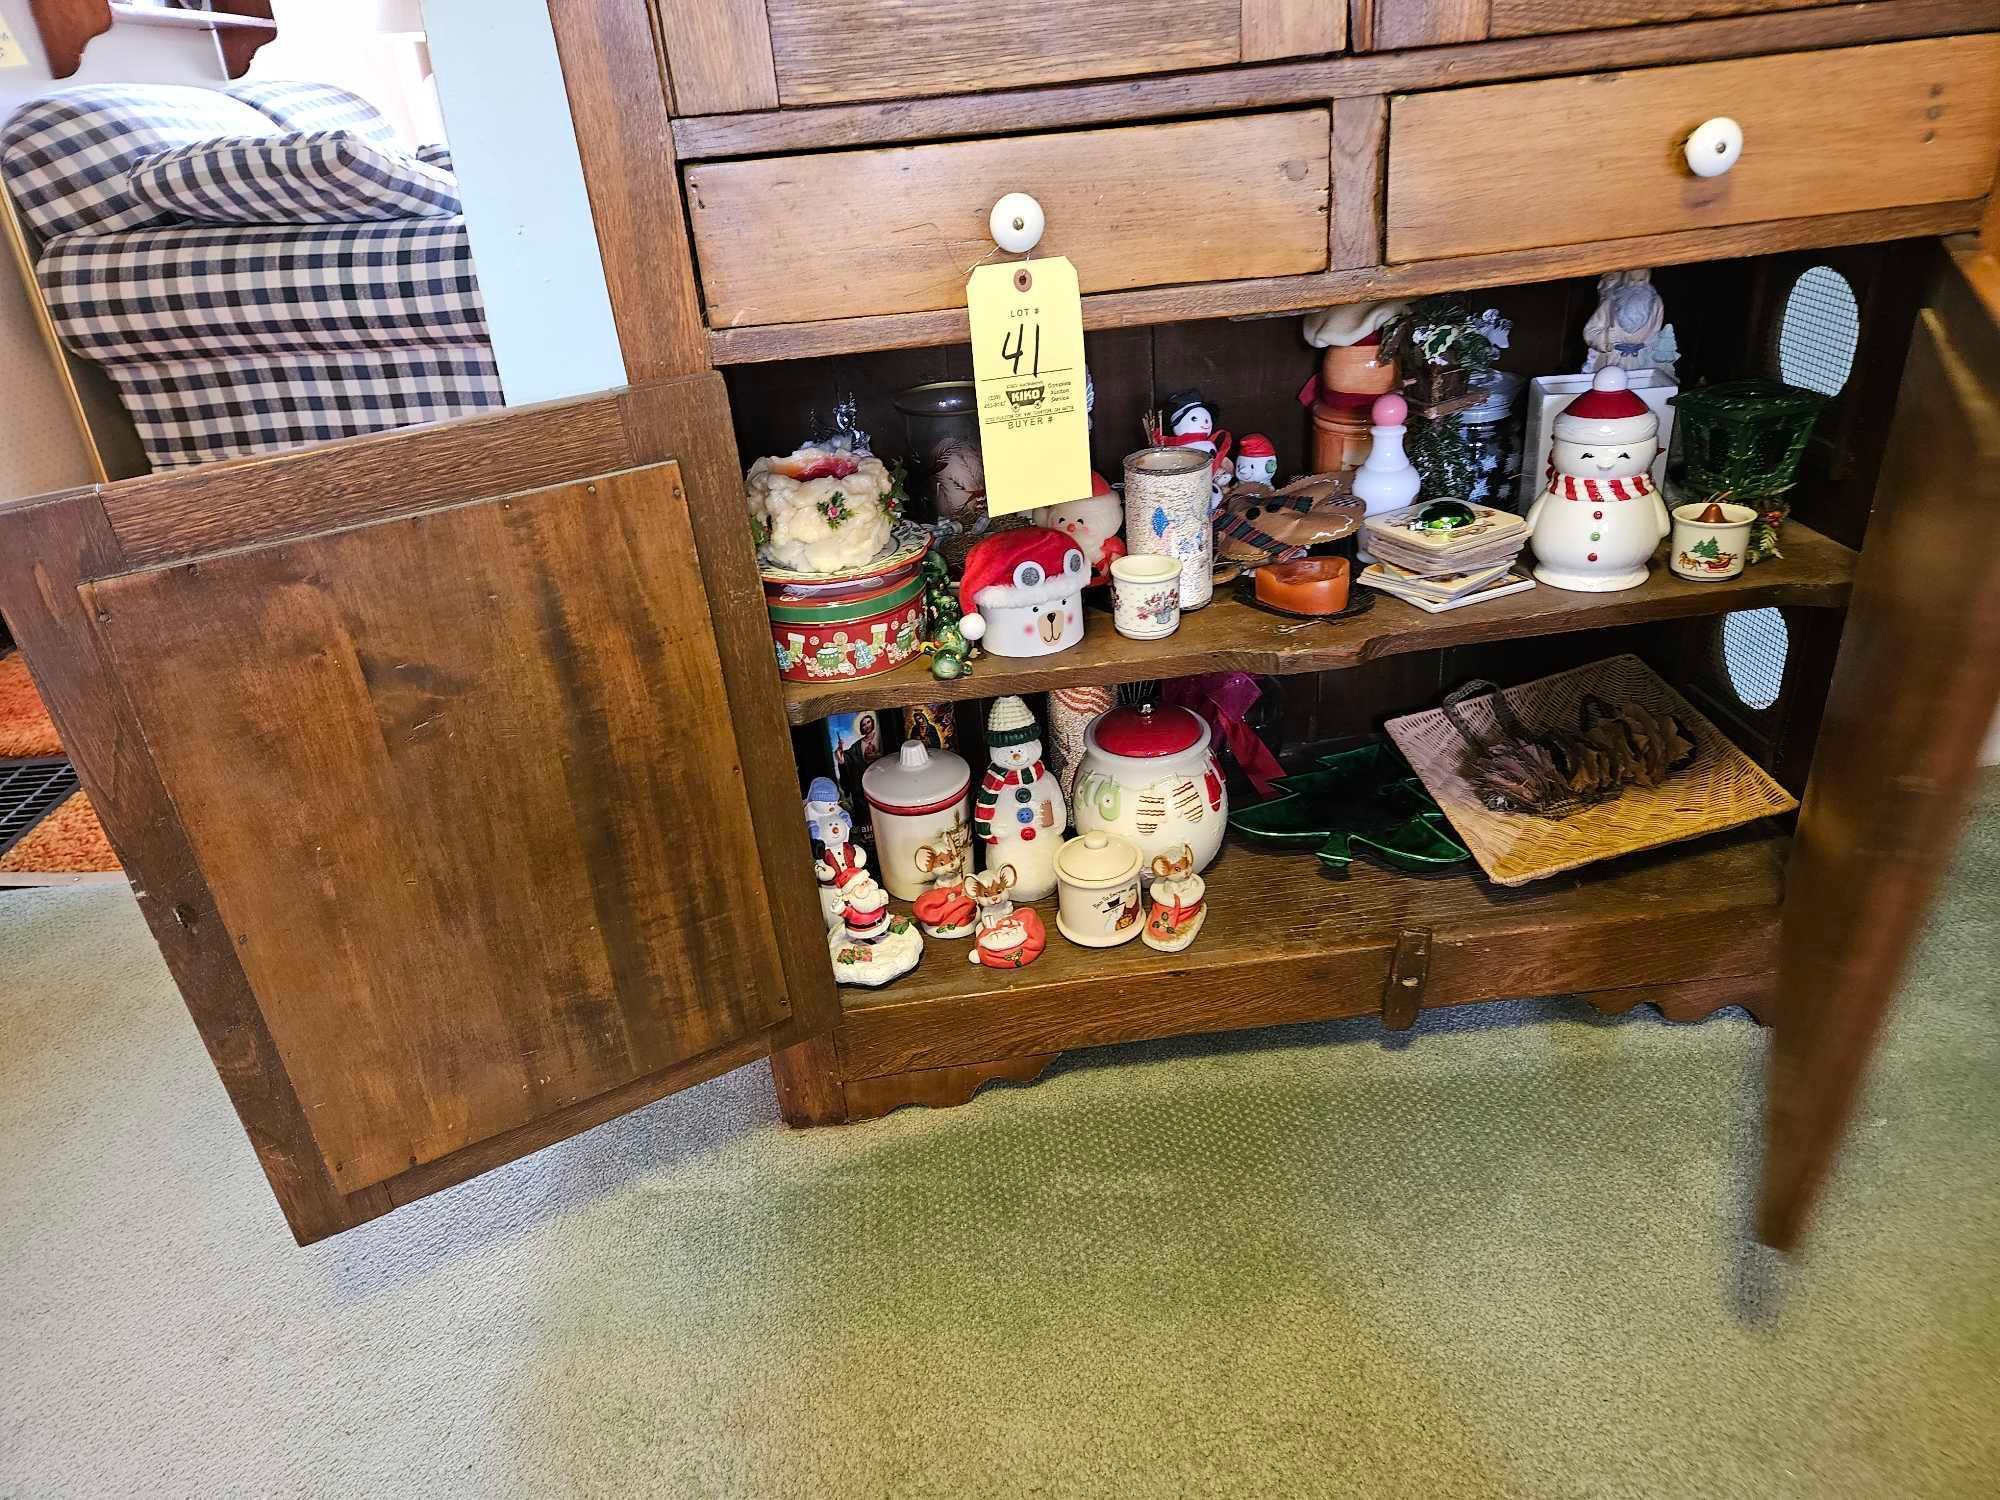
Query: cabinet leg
(810, 1090)
(938, 1088)
(1694, 999)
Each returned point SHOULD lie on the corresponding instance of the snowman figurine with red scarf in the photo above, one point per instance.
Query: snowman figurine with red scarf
(1599, 517)
(1019, 813)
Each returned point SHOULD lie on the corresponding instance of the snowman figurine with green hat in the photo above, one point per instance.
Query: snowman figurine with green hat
(1019, 813)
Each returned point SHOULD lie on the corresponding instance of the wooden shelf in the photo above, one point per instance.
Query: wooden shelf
(1228, 636)
(1286, 942)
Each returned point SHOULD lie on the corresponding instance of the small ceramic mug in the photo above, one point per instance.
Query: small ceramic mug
(1710, 551)
(1146, 595)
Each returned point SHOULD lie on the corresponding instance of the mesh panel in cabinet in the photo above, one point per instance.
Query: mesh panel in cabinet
(1819, 332)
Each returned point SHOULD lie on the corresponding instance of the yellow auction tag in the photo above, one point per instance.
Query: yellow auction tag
(1027, 366)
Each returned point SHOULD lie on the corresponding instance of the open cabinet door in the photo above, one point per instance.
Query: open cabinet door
(1913, 691)
(451, 772)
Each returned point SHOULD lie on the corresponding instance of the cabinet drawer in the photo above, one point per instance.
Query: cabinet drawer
(825, 51)
(1571, 160)
(1431, 23)
(845, 234)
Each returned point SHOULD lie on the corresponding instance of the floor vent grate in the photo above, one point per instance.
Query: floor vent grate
(29, 791)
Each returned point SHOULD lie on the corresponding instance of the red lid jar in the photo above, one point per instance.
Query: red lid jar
(1146, 733)
(1149, 776)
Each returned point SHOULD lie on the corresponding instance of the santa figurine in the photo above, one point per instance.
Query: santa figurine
(1093, 524)
(1598, 517)
(1022, 593)
(1019, 813)
(837, 860)
(1256, 460)
(1191, 424)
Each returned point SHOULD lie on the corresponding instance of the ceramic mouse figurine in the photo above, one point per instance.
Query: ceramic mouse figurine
(1007, 937)
(1598, 517)
(1179, 902)
(945, 911)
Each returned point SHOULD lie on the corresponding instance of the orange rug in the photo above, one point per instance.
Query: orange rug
(69, 843)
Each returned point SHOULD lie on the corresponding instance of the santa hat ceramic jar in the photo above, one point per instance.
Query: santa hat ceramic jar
(921, 799)
(1149, 776)
(1598, 517)
(1023, 592)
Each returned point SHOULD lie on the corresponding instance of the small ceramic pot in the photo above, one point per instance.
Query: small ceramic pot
(1097, 891)
(1146, 596)
(1710, 551)
(917, 800)
(1340, 437)
(1167, 514)
(1149, 777)
(1358, 369)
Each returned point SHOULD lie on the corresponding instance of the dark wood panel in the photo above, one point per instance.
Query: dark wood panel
(1298, 83)
(475, 874)
(1913, 693)
(1284, 944)
(690, 419)
(1228, 299)
(1228, 636)
(49, 547)
(185, 513)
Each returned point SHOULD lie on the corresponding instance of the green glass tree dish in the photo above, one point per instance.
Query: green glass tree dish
(1365, 798)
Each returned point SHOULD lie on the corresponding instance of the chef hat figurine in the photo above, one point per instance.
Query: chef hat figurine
(1022, 592)
(1598, 517)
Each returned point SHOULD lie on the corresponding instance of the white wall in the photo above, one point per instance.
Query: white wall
(40, 448)
(533, 240)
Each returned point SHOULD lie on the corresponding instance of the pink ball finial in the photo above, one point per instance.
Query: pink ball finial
(1389, 411)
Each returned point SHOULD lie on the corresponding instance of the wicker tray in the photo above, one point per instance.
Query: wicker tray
(1721, 788)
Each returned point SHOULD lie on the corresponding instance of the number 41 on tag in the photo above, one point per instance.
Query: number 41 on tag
(1027, 367)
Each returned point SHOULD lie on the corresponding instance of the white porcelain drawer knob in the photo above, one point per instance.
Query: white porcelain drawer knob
(1714, 147)
(1017, 223)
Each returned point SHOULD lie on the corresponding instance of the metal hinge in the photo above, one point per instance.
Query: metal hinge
(1409, 971)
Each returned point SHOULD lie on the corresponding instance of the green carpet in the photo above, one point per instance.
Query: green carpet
(1506, 1255)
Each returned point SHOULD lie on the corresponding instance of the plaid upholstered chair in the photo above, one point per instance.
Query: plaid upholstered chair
(253, 269)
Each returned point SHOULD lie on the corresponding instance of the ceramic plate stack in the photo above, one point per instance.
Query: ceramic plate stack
(1440, 569)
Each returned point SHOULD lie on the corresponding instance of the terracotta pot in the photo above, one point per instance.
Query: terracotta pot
(1340, 438)
(1357, 368)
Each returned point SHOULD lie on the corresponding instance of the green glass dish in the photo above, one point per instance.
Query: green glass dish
(1360, 799)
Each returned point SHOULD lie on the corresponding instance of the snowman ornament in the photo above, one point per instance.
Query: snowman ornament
(1256, 460)
(1191, 424)
(1022, 593)
(1599, 517)
(1019, 813)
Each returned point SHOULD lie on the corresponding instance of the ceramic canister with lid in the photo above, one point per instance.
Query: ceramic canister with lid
(1097, 890)
(1149, 776)
(916, 799)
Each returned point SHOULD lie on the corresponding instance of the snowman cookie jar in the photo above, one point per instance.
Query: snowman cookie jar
(1598, 517)
(1022, 593)
(1019, 812)
(1149, 776)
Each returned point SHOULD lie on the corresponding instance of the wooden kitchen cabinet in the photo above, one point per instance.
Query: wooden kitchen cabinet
(455, 780)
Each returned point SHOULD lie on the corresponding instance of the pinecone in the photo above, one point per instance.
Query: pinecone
(1519, 776)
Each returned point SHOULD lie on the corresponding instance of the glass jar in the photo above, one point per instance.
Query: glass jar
(1492, 432)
